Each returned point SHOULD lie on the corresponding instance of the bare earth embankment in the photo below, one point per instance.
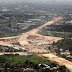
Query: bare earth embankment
(59, 60)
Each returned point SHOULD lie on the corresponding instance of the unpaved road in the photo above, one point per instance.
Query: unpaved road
(20, 53)
(22, 39)
(5, 44)
(9, 37)
(59, 60)
(35, 31)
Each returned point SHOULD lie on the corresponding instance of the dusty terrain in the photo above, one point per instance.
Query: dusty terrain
(59, 60)
(20, 53)
(22, 39)
(5, 44)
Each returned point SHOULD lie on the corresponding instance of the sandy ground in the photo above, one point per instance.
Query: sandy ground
(9, 37)
(22, 39)
(59, 60)
(20, 53)
(5, 44)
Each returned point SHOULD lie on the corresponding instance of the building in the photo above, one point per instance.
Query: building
(13, 22)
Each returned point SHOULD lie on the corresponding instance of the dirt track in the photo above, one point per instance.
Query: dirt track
(5, 44)
(20, 53)
(22, 39)
(59, 60)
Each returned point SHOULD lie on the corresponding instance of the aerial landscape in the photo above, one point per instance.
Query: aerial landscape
(35, 36)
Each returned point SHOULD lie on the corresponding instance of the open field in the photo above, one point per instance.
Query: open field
(56, 34)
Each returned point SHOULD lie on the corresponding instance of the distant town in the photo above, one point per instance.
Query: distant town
(35, 38)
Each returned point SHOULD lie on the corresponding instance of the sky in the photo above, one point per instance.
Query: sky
(43, 1)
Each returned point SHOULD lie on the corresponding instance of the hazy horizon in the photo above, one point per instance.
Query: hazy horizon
(38, 1)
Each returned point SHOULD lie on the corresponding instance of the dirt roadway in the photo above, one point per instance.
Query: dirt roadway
(20, 53)
(9, 37)
(5, 44)
(59, 60)
(36, 30)
(23, 39)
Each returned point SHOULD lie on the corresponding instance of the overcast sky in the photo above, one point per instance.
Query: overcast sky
(59, 1)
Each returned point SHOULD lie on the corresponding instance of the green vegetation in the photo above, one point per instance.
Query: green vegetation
(6, 33)
(16, 43)
(56, 34)
(65, 44)
(16, 62)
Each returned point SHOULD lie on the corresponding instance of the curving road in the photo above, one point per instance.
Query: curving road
(59, 60)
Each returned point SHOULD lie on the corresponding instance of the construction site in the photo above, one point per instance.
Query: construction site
(35, 43)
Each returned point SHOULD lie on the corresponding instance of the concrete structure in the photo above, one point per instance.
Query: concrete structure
(13, 22)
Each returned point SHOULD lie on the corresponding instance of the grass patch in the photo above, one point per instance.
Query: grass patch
(56, 34)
